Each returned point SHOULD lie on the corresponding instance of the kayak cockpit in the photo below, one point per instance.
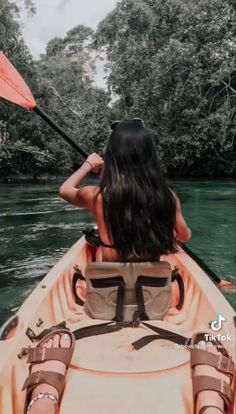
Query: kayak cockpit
(107, 373)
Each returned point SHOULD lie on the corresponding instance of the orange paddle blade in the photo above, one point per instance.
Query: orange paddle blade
(12, 87)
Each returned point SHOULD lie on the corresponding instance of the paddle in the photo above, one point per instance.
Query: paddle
(14, 89)
(224, 285)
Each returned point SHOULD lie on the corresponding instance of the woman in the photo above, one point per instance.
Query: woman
(138, 216)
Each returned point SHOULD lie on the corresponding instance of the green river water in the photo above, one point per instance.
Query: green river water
(37, 228)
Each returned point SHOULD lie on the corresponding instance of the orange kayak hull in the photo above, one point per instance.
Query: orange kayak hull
(106, 374)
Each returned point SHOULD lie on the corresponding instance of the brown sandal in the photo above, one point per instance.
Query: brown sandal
(41, 354)
(222, 363)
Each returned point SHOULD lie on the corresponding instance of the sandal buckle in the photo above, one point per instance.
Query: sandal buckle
(37, 377)
(223, 363)
(42, 352)
(38, 355)
(226, 391)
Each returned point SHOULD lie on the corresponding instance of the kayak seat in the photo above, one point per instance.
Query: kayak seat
(128, 291)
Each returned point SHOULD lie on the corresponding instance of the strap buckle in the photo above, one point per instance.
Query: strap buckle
(224, 364)
(128, 324)
(31, 334)
(37, 355)
(226, 391)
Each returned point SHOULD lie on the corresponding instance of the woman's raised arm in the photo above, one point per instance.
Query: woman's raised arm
(71, 191)
(182, 231)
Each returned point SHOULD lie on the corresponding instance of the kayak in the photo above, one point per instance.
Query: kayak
(107, 372)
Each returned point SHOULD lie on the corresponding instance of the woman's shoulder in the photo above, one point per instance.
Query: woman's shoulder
(89, 195)
(91, 189)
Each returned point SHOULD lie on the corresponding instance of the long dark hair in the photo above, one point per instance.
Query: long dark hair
(139, 209)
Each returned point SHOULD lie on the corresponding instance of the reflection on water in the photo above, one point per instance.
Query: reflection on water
(37, 228)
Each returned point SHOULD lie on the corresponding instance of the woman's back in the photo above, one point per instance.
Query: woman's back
(135, 211)
(106, 251)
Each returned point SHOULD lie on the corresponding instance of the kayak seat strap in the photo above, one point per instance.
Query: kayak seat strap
(76, 277)
(94, 330)
(162, 334)
(112, 282)
(110, 327)
(128, 291)
(36, 337)
(177, 277)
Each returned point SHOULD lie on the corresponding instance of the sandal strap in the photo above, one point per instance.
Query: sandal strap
(203, 409)
(220, 362)
(54, 379)
(41, 354)
(204, 383)
(203, 336)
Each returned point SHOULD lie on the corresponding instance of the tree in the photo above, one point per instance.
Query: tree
(172, 62)
(67, 92)
(62, 81)
(21, 146)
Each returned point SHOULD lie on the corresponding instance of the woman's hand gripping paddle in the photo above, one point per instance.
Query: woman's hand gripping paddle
(14, 89)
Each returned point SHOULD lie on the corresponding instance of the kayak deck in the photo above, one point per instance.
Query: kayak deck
(106, 372)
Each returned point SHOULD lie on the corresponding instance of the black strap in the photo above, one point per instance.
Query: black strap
(77, 276)
(200, 263)
(94, 330)
(140, 314)
(91, 236)
(33, 337)
(140, 343)
(120, 301)
(162, 334)
(177, 277)
(110, 327)
(110, 282)
(102, 329)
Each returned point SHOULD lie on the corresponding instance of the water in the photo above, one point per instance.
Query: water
(37, 228)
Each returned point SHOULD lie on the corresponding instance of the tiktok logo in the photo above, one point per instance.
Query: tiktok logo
(216, 325)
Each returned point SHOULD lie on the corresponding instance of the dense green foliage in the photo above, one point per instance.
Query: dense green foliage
(170, 62)
(66, 92)
(62, 82)
(19, 137)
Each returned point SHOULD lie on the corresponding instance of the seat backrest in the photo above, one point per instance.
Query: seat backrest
(150, 281)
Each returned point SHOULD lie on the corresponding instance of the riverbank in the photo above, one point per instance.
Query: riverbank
(47, 178)
(28, 179)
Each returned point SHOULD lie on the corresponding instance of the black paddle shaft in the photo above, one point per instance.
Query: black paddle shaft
(52, 124)
(201, 263)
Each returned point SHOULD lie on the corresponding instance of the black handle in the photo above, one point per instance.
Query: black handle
(52, 124)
